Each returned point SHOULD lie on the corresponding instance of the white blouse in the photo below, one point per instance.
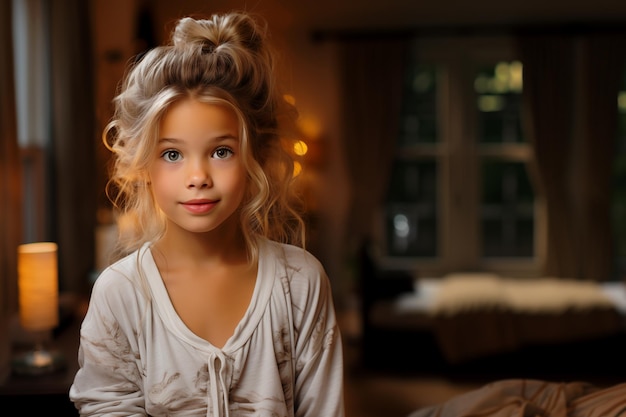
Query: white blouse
(138, 358)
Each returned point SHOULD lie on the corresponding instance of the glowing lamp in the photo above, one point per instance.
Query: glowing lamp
(38, 286)
(38, 289)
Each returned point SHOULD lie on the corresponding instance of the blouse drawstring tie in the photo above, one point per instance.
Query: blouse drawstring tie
(219, 404)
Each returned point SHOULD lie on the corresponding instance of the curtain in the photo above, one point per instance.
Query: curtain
(372, 76)
(548, 114)
(74, 139)
(601, 72)
(10, 189)
(570, 112)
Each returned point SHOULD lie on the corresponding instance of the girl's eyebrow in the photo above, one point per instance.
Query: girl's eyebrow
(168, 140)
(222, 138)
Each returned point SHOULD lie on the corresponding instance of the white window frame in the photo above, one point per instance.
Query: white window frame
(458, 158)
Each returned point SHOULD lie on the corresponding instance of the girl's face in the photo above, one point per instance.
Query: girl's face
(197, 174)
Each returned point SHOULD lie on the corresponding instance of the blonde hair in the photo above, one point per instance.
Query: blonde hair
(224, 60)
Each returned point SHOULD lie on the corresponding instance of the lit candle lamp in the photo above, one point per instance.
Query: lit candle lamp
(38, 286)
(38, 304)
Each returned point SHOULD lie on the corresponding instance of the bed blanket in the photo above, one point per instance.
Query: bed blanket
(533, 398)
(476, 315)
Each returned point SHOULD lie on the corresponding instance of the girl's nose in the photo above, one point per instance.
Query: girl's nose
(198, 176)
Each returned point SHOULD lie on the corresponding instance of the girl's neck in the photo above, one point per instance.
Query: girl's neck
(214, 246)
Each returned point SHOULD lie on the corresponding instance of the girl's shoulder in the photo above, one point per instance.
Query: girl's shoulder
(300, 272)
(125, 276)
(294, 258)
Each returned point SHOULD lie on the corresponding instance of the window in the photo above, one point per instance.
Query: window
(506, 206)
(32, 81)
(460, 196)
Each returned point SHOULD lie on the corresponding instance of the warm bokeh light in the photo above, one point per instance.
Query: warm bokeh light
(290, 99)
(297, 168)
(300, 148)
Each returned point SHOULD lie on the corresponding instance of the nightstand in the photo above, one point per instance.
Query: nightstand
(47, 394)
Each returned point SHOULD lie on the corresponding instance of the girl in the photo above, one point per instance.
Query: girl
(216, 309)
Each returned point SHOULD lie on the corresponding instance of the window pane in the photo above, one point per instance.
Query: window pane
(419, 111)
(498, 99)
(507, 210)
(411, 212)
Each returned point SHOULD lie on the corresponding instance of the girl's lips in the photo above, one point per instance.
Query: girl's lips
(199, 206)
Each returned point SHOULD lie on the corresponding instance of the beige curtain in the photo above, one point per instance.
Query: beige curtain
(570, 112)
(74, 139)
(372, 75)
(601, 72)
(10, 189)
(548, 109)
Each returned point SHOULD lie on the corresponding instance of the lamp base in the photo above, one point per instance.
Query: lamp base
(38, 362)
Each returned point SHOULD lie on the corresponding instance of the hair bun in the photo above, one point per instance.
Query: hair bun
(208, 47)
(236, 29)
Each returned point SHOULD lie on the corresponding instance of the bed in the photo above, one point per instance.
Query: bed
(493, 326)
(479, 314)
(545, 347)
(542, 347)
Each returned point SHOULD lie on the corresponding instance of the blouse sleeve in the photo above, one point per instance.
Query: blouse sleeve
(109, 381)
(319, 353)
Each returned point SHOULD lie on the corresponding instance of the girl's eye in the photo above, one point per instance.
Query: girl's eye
(171, 155)
(222, 153)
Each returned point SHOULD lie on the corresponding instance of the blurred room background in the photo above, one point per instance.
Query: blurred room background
(441, 137)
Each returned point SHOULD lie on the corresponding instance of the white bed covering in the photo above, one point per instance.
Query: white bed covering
(429, 292)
